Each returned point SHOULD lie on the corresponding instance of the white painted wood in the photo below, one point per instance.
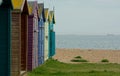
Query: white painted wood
(46, 42)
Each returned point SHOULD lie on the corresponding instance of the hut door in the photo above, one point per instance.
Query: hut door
(23, 42)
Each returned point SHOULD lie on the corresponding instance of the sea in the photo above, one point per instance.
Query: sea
(88, 41)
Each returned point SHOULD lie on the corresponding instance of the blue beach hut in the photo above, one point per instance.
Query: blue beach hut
(41, 21)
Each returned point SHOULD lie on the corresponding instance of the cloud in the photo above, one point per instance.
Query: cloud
(1, 2)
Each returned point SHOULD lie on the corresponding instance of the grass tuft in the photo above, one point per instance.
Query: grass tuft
(104, 60)
(79, 57)
(92, 71)
(81, 60)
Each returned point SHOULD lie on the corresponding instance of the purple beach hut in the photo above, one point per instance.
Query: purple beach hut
(32, 35)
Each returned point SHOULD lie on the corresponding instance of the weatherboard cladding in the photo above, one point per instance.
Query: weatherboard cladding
(52, 43)
(19, 37)
(16, 47)
(46, 42)
(33, 35)
(30, 42)
(51, 34)
(41, 34)
(41, 42)
(46, 35)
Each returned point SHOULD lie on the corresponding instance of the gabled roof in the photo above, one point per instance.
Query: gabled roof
(46, 12)
(6, 3)
(32, 5)
(52, 17)
(20, 5)
(41, 10)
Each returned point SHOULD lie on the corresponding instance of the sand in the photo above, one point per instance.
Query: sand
(92, 55)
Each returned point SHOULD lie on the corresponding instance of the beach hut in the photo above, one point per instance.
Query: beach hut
(33, 35)
(41, 33)
(5, 38)
(19, 37)
(46, 36)
(51, 34)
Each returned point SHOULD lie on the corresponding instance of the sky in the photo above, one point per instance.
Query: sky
(86, 17)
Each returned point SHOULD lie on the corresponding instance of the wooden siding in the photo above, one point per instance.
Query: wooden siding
(30, 43)
(33, 37)
(33, 52)
(52, 39)
(52, 43)
(41, 42)
(16, 44)
(24, 43)
(19, 43)
(36, 41)
(46, 45)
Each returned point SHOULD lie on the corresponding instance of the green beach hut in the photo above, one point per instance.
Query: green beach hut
(5, 38)
(51, 34)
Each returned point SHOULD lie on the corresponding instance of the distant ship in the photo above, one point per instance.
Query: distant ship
(110, 35)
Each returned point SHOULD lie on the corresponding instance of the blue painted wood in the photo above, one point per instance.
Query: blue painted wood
(41, 42)
(41, 34)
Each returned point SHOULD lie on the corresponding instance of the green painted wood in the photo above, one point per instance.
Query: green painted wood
(52, 44)
(5, 41)
(51, 40)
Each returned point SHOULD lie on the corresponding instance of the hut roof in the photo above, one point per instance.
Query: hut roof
(20, 4)
(46, 11)
(40, 8)
(32, 5)
(52, 17)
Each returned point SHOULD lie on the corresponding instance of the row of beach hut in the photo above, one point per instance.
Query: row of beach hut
(27, 36)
